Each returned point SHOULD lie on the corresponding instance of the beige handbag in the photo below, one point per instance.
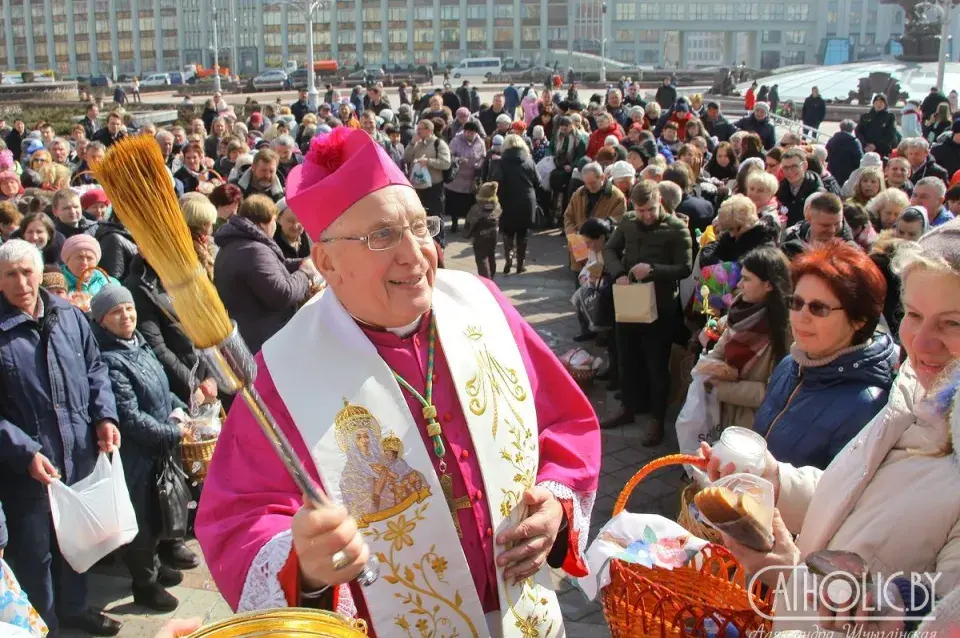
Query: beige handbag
(635, 303)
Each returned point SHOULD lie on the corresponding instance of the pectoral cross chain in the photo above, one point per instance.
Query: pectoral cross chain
(455, 504)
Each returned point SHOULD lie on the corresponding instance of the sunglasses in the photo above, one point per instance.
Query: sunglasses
(816, 308)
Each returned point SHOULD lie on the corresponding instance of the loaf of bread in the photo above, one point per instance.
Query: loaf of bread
(739, 516)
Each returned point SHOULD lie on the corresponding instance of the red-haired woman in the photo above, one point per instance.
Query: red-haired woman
(840, 369)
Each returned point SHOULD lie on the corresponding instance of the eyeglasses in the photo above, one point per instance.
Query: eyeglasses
(423, 229)
(816, 308)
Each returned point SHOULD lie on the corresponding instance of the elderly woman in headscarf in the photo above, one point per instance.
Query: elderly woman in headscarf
(10, 187)
(201, 215)
(79, 256)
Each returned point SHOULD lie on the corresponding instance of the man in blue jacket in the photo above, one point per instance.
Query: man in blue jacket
(58, 412)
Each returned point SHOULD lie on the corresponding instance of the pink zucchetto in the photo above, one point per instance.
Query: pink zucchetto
(339, 170)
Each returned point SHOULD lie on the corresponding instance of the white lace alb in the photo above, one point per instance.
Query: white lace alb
(582, 509)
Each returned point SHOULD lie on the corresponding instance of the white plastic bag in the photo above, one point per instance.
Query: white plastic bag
(420, 176)
(94, 516)
(699, 417)
(544, 167)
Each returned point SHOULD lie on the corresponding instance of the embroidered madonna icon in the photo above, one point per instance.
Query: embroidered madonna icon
(376, 482)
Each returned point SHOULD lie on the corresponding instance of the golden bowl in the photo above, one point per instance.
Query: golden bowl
(285, 623)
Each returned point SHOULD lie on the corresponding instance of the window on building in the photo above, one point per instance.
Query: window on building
(673, 11)
(423, 13)
(625, 11)
(557, 33)
(771, 37)
(530, 11)
(347, 36)
(371, 36)
(477, 35)
(372, 57)
(623, 35)
(476, 12)
(449, 13)
(503, 34)
(798, 11)
(699, 11)
(397, 14)
(626, 55)
(795, 37)
(347, 18)
(397, 36)
(423, 35)
(450, 35)
(504, 11)
(372, 14)
(530, 34)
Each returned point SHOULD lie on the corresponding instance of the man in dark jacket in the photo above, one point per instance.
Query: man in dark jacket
(113, 131)
(475, 101)
(144, 404)
(698, 210)
(823, 221)
(68, 219)
(922, 164)
(450, 99)
(91, 121)
(259, 287)
(666, 95)
(14, 139)
(375, 100)
(511, 97)
(716, 124)
(633, 98)
(930, 103)
(117, 247)
(844, 152)
(947, 154)
(649, 246)
(57, 414)
(814, 110)
(262, 178)
(488, 117)
(774, 98)
(758, 122)
(463, 94)
(300, 107)
(797, 185)
(877, 129)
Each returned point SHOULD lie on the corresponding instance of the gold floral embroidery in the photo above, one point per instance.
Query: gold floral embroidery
(492, 381)
(422, 596)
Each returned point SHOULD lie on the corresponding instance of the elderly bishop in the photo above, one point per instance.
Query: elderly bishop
(458, 450)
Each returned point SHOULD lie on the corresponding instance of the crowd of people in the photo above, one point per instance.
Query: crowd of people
(813, 247)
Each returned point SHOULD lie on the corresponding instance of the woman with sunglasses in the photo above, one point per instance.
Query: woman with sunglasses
(840, 369)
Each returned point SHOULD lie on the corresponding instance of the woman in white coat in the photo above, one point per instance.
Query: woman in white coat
(892, 495)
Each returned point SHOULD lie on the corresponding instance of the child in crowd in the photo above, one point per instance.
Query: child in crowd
(481, 225)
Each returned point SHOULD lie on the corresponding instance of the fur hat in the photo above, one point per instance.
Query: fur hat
(487, 192)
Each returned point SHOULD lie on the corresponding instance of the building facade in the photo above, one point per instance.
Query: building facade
(93, 37)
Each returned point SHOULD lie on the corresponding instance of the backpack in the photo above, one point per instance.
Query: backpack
(451, 173)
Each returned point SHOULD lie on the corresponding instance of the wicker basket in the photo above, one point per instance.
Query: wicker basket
(689, 521)
(660, 602)
(583, 376)
(196, 458)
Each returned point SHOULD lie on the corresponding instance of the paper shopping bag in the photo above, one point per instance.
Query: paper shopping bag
(578, 247)
(635, 303)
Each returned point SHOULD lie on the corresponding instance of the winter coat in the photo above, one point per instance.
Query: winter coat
(531, 108)
(830, 183)
(474, 154)
(259, 287)
(191, 180)
(666, 96)
(887, 496)
(208, 116)
(158, 323)
(698, 210)
(910, 124)
(299, 109)
(245, 183)
(930, 103)
(51, 409)
(764, 128)
(598, 137)
(812, 411)
(488, 119)
(104, 137)
(794, 203)
(451, 101)
(117, 247)
(880, 129)
(92, 285)
(844, 152)
(210, 146)
(666, 246)
(144, 404)
(930, 168)
(511, 100)
(283, 169)
(611, 205)
(568, 151)
(750, 99)
(463, 94)
(947, 155)
(814, 111)
(483, 220)
(726, 248)
(437, 153)
(740, 399)
(801, 233)
(720, 128)
(517, 191)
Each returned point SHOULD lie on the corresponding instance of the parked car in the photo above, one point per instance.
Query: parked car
(176, 78)
(270, 80)
(100, 80)
(535, 74)
(298, 79)
(157, 79)
(372, 72)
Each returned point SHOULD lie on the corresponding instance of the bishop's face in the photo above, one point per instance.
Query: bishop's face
(388, 288)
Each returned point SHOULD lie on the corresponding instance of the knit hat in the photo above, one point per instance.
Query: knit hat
(77, 243)
(54, 279)
(386, 115)
(943, 242)
(6, 160)
(487, 192)
(761, 106)
(503, 118)
(339, 170)
(611, 140)
(109, 297)
(879, 96)
(519, 126)
(751, 160)
(619, 170)
(871, 159)
(93, 196)
(497, 141)
(256, 118)
(538, 133)
(637, 110)
(31, 147)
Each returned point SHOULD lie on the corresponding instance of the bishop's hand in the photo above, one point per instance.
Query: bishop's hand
(533, 537)
(320, 533)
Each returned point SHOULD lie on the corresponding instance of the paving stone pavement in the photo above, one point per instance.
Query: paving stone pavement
(543, 296)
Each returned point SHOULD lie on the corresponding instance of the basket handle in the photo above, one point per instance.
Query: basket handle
(656, 464)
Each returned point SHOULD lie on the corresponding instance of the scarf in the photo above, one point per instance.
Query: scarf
(750, 334)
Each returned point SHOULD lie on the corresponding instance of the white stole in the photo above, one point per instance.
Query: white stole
(354, 419)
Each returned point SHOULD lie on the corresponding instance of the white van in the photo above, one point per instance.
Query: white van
(477, 69)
